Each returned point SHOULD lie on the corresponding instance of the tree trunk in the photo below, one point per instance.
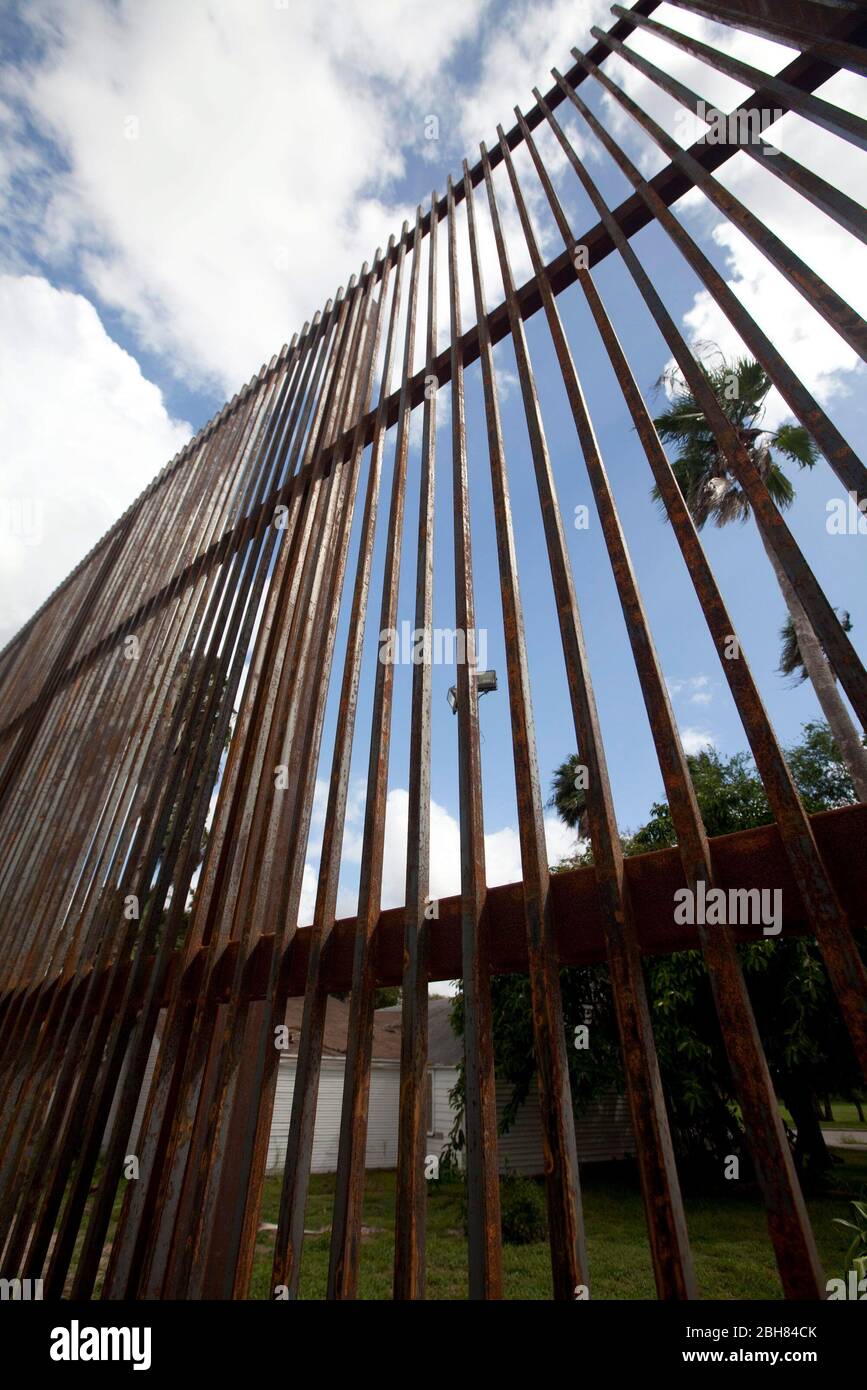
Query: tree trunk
(811, 1151)
(845, 734)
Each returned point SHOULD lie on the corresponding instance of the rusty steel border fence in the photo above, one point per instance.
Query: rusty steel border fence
(151, 868)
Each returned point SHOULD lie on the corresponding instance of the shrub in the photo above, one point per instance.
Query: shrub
(856, 1255)
(523, 1214)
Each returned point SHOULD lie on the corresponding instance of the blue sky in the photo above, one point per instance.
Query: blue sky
(183, 185)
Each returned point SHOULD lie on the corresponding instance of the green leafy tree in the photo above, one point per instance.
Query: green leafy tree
(806, 1044)
(820, 774)
(730, 796)
(713, 493)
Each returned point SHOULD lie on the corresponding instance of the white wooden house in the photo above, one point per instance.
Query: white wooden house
(603, 1133)
(382, 1116)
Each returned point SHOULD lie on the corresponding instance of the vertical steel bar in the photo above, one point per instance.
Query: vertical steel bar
(829, 921)
(565, 1219)
(840, 455)
(797, 1257)
(230, 1251)
(824, 620)
(296, 1172)
(666, 1223)
(835, 119)
(836, 204)
(480, 1099)
(411, 1193)
(349, 1188)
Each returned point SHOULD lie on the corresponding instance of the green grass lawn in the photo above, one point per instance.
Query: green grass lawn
(845, 1114)
(730, 1244)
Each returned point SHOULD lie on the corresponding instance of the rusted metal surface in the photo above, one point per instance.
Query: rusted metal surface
(747, 859)
(800, 23)
(838, 205)
(349, 1190)
(480, 1107)
(848, 467)
(797, 1257)
(672, 1261)
(411, 1199)
(841, 955)
(823, 113)
(290, 1229)
(568, 1246)
(164, 716)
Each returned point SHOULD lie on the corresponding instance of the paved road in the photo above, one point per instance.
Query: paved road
(843, 1138)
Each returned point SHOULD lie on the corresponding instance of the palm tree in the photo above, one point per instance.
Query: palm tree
(712, 492)
(791, 661)
(567, 798)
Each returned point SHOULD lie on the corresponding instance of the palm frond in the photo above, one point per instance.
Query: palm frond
(710, 489)
(791, 661)
(569, 801)
(779, 486)
(797, 444)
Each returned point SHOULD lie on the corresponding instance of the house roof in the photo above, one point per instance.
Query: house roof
(386, 1043)
(444, 1049)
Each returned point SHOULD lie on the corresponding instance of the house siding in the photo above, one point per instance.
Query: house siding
(444, 1079)
(602, 1134)
(382, 1120)
(381, 1149)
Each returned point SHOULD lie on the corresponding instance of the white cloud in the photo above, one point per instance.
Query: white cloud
(507, 379)
(522, 47)
(269, 145)
(228, 164)
(696, 740)
(81, 433)
(694, 689)
(308, 894)
(502, 852)
(813, 350)
(217, 188)
(317, 815)
(560, 840)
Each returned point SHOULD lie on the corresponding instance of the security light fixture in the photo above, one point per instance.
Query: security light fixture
(485, 682)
